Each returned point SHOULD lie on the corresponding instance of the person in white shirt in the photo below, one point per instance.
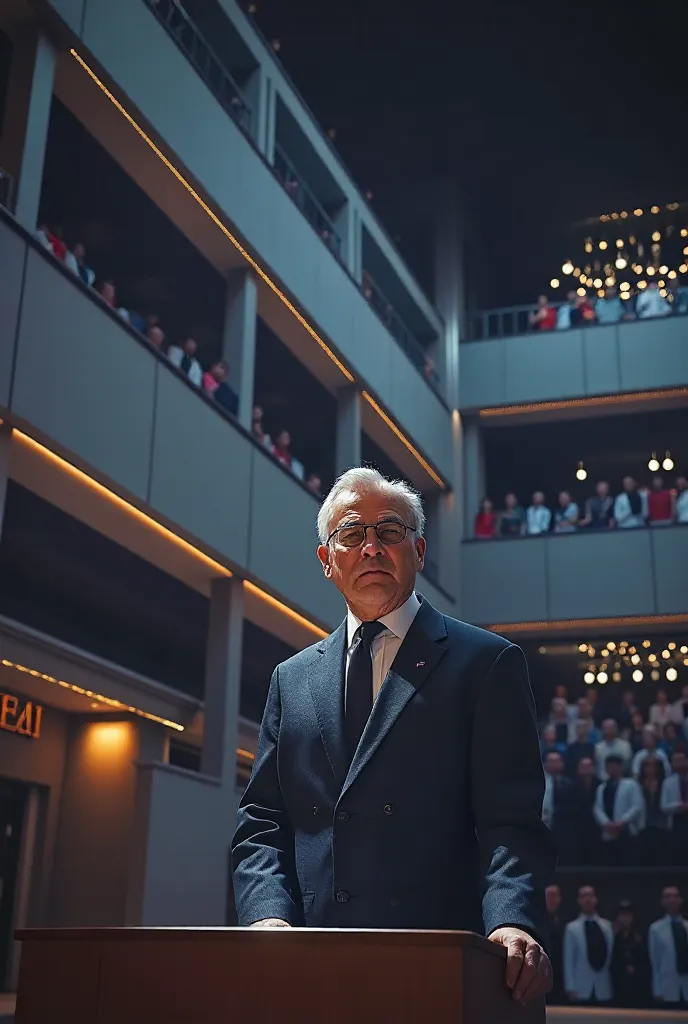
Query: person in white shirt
(75, 260)
(651, 303)
(611, 743)
(619, 810)
(668, 948)
(681, 501)
(650, 740)
(538, 516)
(681, 707)
(662, 712)
(630, 507)
(588, 942)
(183, 357)
(674, 802)
(564, 312)
(566, 515)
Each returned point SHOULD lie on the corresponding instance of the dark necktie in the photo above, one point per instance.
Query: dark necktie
(359, 684)
(678, 929)
(608, 798)
(596, 945)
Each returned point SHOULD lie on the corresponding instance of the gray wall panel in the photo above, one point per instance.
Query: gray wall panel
(70, 11)
(670, 551)
(654, 353)
(284, 541)
(482, 374)
(201, 469)
(541, 365)
(82, 379)
(601, 355)
(503, 581)
(593, 575)
(12, 253)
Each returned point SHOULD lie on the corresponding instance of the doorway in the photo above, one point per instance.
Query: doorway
(12, 807)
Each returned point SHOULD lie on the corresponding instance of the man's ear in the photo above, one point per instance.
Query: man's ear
(324, 556)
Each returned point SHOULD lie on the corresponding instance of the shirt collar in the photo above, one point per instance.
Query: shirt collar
(397, 622)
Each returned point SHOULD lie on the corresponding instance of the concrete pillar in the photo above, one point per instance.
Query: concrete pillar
(449, 278)
(26, 119)
(450, 515)
(223, 680)
(348, 452)
(239, 338)
(346, 224)
(264, 113)
(5, 447)
(473, 471)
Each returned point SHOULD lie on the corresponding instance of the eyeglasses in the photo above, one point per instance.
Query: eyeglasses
(392, 531)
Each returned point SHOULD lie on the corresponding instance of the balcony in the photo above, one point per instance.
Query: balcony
(552, 366)
(558, 578)
(312, 209)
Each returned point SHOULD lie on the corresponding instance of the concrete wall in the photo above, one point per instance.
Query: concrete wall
(634, 356)
(155, 79)
(575, 576)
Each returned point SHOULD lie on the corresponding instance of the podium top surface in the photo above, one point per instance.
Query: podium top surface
(387, 937)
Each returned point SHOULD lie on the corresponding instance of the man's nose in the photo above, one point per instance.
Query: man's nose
(372, 545)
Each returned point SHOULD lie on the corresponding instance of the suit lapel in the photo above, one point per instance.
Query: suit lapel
(420, 652)
(325, 679)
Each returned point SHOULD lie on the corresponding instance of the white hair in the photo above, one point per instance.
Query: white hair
(361, 480)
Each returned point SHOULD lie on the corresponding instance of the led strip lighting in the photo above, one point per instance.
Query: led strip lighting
(611, 623)
(581, 403)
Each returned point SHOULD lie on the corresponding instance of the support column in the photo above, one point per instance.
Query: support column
(27, 116)
(239, 339)
(474, 471)
(223, 680)
(346, 224)
(263, 99)
(450, 519)
(5, 448)
(348, 452)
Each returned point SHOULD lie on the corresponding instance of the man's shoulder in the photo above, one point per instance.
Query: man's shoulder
(464, 633)
(301, 659)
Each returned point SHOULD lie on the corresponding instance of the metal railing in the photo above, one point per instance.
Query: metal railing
(500, 323)
(192, 43)
(403, 336)
(7, 184)
(310, 207)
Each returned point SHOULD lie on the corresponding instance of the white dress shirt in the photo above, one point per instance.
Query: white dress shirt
(538, 519)
(682, 507)
(175, 354)
(605, 748)
(385, 646)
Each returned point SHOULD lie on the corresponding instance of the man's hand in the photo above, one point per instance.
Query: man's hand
(271, 922)
(528, 970)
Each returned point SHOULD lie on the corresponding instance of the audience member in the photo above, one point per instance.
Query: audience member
(661, 711)
(610, 309)
(559, 806)
(594, 710)
(626, 711)
(565, 312)
(42, 234)
(674, 802)
(630, 965)
(76, 261)
(56, 241)
(184, 357)
(538, 516)
(544, 318)
(586, 311)
(668, 947)
(599, 511)
(485, 521)
(681, 500)
(611, 743)
(672, 740)
(659, 504)
(585, 712)
(679, 293)
(619, 811)
(651, 303)
(566, 515)
(280, 449)
(635, 735)
(512, 520)
(549, 742)
(156, 336)
(588, 942)
(314, 484)
(681, 707)
(630, 510)
(215, 384)
(257, 428)
(581, 748)
(650, 746)
(588, 841)
(653, 844)
(555, 927)
(562, 720)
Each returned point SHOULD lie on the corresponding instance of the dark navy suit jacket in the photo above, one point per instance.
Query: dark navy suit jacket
(437, 821)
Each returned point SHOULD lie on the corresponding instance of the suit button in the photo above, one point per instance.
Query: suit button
(394, 901)
(342, 896)
(316, 811)
(388, 808)
(343, 816)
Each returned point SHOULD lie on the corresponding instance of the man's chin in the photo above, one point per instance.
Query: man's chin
(375, 579)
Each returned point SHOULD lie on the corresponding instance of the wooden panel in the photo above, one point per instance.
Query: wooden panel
(58, 982)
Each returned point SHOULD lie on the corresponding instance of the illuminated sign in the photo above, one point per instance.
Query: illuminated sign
(22, 717)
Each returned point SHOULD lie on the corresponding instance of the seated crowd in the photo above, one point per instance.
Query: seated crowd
(182, 355)
(616, 788)
(589, 309)
(633, 507)
(622, 963)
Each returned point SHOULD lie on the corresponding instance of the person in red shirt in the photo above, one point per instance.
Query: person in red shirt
(544, 318)
(659, 503)
(486, 521)
(280, 449)
(586, 312)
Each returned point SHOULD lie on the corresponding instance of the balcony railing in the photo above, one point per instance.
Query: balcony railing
(310, 207)
(200, 54)
(510, 320)
(400, 332)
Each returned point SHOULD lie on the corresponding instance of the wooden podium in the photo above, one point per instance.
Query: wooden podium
(290, 976)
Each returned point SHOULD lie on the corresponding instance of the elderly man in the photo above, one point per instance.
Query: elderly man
(397, 782)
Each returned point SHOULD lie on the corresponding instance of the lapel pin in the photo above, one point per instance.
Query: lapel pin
(419, 664)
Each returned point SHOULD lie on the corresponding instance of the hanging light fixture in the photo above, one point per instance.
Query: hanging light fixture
(653, 464)
(668, 463)
(581, 472)
(589, 678)
(554, 283)
(637, 676)
(567, 267)
(672, 675)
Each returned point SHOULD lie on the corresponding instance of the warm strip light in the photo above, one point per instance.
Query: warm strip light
(215, 219)
(577, 403)
(395, 429)
(246, 753)
(108, 701)
(114, 499)
(611, 623)
(285, 610)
